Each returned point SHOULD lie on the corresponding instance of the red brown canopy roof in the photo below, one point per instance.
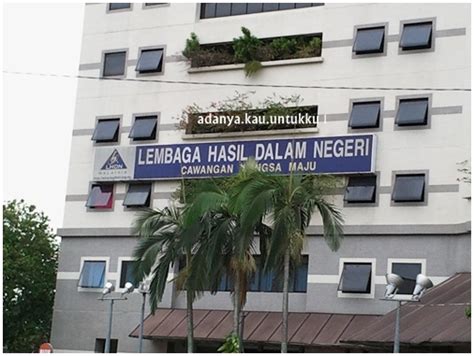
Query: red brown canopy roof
(440, 318)
(215, 325)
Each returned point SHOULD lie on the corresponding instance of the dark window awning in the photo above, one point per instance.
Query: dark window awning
(138, 195)
(412, 112)
(355, 278)
(409, 188)
(150, 61)
(361, 189)
(106, 130)
(369, 40)
(306, 329)
(439, 318)
(365, 115)
(144, 128)
(416, 36)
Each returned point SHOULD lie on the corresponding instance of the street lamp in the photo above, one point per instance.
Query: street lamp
(108, 289)
(394, 282)
(143, 288)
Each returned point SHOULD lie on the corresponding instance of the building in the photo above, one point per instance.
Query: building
(405, 209)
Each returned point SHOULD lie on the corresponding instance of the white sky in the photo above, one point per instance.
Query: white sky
(38, 111)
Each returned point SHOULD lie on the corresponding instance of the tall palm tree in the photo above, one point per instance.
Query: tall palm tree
(162, 241)
(289, 203)
(223, 246)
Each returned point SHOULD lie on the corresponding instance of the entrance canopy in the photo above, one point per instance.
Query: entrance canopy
(305, 329)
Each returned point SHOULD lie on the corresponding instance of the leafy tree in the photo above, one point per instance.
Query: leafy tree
(29, 275)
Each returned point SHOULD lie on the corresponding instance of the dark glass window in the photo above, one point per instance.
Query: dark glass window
(299, 281)
(361, 189)
(253, 8)
(300, 5)
(369, 40)
(238, 9)
(270, 6)
(144, 128)
(100, 346)
(155, 3)
(138, 195)
(106, 130)
(92, 274)
(286, 6)
(223, 9)
(119, 6)
(365, 115)
(150, 61)
(412, 112)
(356, 278)
(100, 196)
(408, 271)
(409, 188)
(126, 274)
(209, 10)
(416, 36)
(269, 281)
(114, 64)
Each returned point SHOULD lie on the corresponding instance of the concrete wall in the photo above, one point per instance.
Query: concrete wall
(437, 233)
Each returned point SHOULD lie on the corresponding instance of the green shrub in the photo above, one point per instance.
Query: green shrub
(246, 46)
(192, 46)
(252, 67)
(283, 47)
(230, 345)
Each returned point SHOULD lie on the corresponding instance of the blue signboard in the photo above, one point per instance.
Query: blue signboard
(333, 155)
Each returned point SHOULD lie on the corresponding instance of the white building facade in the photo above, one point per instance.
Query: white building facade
(417, 218)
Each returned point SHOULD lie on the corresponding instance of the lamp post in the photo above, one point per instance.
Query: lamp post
(108, 289)
(394, 282)
(143, 288)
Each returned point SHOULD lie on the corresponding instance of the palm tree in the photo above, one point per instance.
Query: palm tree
(223, 246)
(289, 202)
(162, 241)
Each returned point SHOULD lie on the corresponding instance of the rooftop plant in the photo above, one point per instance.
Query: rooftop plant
(191, 118)
(251, 51)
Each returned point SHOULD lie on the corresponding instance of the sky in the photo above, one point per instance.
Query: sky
(38, 111)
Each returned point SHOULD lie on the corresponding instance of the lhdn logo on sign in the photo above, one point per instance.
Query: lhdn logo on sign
(114, 162)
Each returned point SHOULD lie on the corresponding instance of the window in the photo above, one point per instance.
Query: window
(100, 346)
(272, 281)
(106, 130)
(92, 274)
(416, 36)
(409, 188)
(150, 4)
(126, 274)
(100, 196)
(210, 10)
(114, 64)
(369, 40)
(356, 278)
(144, 128)
(408, 271)
(119, 6)
(361, 189)
(138, 195)
(365, 115)
(150, 61)
(412, 112)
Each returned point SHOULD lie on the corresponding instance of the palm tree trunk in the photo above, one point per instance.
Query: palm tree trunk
(236, 304)
(189, 312)
(284, 323)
